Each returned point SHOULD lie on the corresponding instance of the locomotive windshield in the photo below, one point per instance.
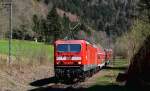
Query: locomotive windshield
(69, 48)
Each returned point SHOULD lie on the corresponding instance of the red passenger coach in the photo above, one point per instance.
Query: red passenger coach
(108, 56)
(101, 58)
(77, 58)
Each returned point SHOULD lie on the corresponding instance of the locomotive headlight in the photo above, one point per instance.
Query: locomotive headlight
(79, 62)
(76, 58)
(57, 62)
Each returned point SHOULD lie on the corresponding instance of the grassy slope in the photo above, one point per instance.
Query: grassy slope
(108, 81)
(27, 49)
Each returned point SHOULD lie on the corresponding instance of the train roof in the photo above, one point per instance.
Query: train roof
(99, 48)
(71, 42)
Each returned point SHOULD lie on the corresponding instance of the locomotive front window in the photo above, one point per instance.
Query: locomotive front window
(62, 48)
(75, 47)
(69, 48)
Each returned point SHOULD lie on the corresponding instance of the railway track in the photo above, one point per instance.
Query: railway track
(64, 87)
(76, 84)
(71, 86)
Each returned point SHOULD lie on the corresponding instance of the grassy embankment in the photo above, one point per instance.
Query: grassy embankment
(26, 51)
(108, 82)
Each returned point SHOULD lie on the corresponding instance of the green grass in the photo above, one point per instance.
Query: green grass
(119, 65)
(27, 49)
(108, 82)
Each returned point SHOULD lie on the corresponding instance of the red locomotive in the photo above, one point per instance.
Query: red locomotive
(78, 58)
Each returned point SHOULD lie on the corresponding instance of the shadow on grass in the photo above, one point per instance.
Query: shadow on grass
(109, 88)
(93, 88)
(49, 88)
(42, 85)
(43, 82)
(116, 68)
(53, 80)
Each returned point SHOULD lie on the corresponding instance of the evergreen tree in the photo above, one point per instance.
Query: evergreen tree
(43, 29)
(53, 31)
(66, 24)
